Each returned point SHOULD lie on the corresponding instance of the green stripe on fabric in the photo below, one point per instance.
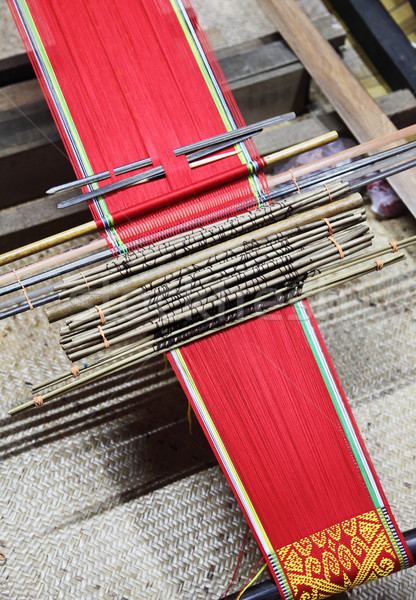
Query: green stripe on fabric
(346, 425)
(211, 88)
(277, 567)
(66, 112)
(56, 87)
(392, 539)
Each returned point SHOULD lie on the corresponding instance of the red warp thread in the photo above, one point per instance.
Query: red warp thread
(143, 107)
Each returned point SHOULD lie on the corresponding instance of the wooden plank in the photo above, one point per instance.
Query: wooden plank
(265, 76)
(382, 40)
(351, 101)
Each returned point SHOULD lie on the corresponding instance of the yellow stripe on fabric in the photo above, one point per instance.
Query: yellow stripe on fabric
(64, 107)
(228, 124)
(391, 538)
(225, 456)
(250, 583)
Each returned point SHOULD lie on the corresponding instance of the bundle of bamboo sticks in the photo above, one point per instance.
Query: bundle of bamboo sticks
(178, 290)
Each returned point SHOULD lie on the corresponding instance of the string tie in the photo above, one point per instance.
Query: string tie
(394, 247)
(379, 264)
(106, 343)
(23, 288)
(85, 280)
(101, 313)
(38, 401)
(75, 371)
(328, 224)
(334, 241)
(292, 173)
(329, 193)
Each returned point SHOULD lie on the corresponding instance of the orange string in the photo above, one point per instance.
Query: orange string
(23, 288)
(334, 241)
(106, 342)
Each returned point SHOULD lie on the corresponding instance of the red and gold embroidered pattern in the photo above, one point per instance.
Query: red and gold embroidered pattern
(338, 558)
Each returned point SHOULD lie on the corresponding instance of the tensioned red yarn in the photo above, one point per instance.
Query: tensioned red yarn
(271, 407)
(265, 394)
(114, 65)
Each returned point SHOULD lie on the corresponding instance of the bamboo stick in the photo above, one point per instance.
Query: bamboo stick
(186, 276)
(323, 275)
(195, 240)
(49, 242)
(184, 282)
(178, 311)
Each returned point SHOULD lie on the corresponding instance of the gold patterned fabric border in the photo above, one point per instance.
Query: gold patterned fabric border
(340, 557)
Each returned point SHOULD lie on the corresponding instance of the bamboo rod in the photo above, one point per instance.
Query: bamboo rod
(185, 282)
(270, 276)
(48, 242)
(186, 276)
(198, 239)
(296, 149)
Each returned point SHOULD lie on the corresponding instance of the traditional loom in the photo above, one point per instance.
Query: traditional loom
(231, 375)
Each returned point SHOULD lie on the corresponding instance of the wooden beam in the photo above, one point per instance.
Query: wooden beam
(382, 40)
(349, 98)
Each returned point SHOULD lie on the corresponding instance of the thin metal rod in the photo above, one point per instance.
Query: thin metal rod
(232, 135)
(149, 175)
(199, 154)
(139, 164)
(56, 272)
(338, 171)
(360, 183)
(25, 307)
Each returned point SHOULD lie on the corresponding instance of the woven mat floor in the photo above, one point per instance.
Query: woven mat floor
(105, 495)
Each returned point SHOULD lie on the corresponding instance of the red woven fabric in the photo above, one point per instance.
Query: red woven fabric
(127, 101)
(268, 401)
